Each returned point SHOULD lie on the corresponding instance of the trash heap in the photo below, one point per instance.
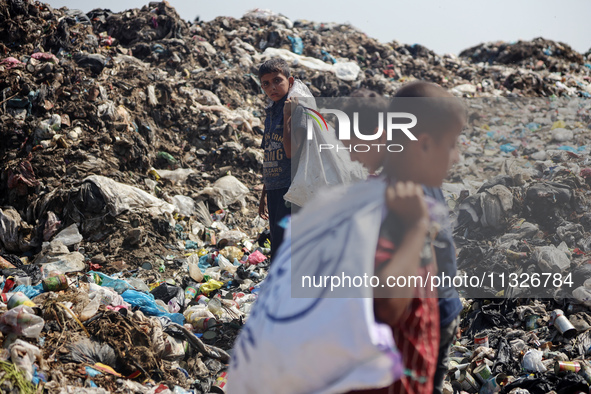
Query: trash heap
(131, 249)
(520, 199)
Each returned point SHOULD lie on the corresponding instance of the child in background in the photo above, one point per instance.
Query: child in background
(276, 80)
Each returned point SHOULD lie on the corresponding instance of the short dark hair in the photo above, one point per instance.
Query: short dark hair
(367, 104)
(274, 65)
(434, 107)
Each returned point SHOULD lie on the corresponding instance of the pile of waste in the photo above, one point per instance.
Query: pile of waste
(131, 250)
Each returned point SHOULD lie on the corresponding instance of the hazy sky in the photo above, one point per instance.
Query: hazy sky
(443, 26)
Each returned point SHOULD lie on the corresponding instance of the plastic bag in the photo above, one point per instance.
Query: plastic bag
(106, 295)
(210, 286)
(225, 264)
(256, 257)
(194, 270)
(119, 285)
(147, 304)
(21, 321)
(184, 205)
(169, 293)
(315, 170)
(532, 361)
(120, 197)
(226, 191)
(178, 175)
(9, 224)
(90, 352)
(69, 236)
(23, 355)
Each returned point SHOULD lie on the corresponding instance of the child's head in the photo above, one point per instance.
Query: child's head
(367, 104)
(275, 78)
(440, 120)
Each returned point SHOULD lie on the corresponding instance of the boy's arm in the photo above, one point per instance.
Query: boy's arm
(407, 202)
(263, 210)
(292, 139)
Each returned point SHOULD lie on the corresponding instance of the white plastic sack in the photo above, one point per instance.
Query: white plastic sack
(319, 344)
(9, 223)
(184, 205)
(319, 170)
(226, 191)
(345, 70)
(121, 197)
(69, 236)
(23, 355)
(55, 257)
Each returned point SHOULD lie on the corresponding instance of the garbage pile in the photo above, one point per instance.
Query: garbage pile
(131, 250)
(521, 205)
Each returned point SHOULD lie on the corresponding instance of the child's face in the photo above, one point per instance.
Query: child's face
(276, 85)
(428, 160)
(373, 158)
(442, 154)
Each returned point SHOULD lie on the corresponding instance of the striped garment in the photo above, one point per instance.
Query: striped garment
(416, 333)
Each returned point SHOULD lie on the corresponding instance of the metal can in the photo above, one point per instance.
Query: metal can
(565, 366)
(585, 371)
(562, 324)
(481, 339)
(203, 323)
(55, 283)
(482, 373)
(468, 383)
(19, 298)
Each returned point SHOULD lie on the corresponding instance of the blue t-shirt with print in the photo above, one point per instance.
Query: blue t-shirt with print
(276, 165)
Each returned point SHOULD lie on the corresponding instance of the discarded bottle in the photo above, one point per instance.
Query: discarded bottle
(55, 283)
(191, 291)
(19, 298)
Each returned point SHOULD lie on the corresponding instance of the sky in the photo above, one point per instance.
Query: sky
(443, 26)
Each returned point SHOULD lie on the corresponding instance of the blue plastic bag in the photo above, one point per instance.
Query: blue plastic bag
(297, 45)
(147, 304)
(119, 285)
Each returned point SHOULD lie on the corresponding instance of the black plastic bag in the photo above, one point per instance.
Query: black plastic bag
(167, 292)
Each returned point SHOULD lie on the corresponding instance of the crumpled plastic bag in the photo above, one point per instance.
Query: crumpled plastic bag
(21, 321)
(120, 197)
(23, 355)
(226, 191)
(91, 352)
(532, 361)
(9, 223)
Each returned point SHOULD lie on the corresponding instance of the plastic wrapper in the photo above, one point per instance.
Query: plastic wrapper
(210, 286)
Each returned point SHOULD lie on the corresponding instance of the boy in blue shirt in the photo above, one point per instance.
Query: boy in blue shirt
(278, 144)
